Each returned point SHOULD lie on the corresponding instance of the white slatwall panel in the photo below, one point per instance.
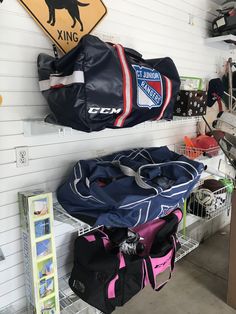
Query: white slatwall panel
(153, 27)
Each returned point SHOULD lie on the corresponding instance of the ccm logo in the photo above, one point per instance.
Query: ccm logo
(163, 264)
(104, 110)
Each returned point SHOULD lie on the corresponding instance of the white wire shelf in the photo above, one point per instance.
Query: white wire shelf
(187, 246)
(197, 153)
(69, 302)
(40, 127)
(230, 39)
(61, 215)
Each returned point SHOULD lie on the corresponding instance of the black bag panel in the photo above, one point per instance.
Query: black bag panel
(97, 256)
(102, 63)
(166, 67)
(132, 279)
(71, 113)
(163, 242)
(91, 287)
(46, 66)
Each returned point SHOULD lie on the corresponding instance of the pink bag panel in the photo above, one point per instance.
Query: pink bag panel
(148, 231)
(122, 260)
(179, 214)
(146, 280)
(160, 264)
(111, 288)
(112, 284)
(90, 238)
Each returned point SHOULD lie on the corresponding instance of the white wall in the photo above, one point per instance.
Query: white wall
(152, 27)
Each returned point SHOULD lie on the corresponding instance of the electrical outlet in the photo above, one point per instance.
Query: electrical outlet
(22, 156)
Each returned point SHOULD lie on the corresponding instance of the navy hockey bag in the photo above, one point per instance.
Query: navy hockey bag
(98, 85)
(129, 188)
(105, 277)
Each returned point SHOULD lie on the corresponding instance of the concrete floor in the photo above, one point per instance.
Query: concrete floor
(199, 285)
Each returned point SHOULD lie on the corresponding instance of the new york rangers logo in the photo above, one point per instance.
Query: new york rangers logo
(149, 87)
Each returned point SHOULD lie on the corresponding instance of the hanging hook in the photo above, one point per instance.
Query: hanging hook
(54, 50)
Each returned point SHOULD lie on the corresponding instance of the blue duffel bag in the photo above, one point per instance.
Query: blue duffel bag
(129, 188)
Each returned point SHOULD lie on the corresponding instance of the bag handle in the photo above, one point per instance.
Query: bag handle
(129, 51)
(137, 174)
(134, 54)
(129, 172)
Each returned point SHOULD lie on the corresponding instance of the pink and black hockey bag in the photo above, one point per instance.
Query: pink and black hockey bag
(99, 85)
(105, 277)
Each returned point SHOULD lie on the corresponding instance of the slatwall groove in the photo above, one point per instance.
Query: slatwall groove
(151, 23)
(163, 43)
(180, 8)
(8, 170)
(24, 31)
(154, 28)
(167, 22)
(10, 286)
(13, 221)
(15, 182)
(8, 197)
(22, 99)
(11, 272)
(14, 141)
(15, 45)
(13, 297)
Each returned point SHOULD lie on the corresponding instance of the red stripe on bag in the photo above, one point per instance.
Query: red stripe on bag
(168, 97)
(127, 87)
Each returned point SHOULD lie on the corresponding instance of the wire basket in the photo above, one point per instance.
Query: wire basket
(193, 153)
(187, 246)
(207, 204)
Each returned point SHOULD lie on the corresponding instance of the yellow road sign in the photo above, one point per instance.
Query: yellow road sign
(66, 21)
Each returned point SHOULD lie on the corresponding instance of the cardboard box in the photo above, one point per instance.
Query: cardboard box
(190, 103)
(36, 210)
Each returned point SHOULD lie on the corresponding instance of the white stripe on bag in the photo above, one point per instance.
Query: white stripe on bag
(56, 81)
(127, 87)
(139, 218)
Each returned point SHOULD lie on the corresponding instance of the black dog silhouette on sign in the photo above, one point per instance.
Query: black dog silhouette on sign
(72, 6)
